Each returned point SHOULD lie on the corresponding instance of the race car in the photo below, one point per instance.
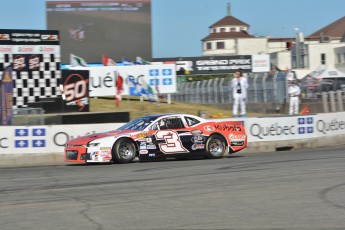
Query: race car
(159, 136)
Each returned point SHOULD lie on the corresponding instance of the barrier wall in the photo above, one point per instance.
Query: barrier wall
(264, 134)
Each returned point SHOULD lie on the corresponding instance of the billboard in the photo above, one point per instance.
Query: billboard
(218, 64)
(35, 58)
(137, 80)
(76, 88)
(91, 28)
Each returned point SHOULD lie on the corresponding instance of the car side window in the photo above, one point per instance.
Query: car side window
(191, 121)
(170, 123)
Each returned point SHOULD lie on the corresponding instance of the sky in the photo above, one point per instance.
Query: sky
(179, 25)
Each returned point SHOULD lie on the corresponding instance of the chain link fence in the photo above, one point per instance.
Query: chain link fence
(262, 89)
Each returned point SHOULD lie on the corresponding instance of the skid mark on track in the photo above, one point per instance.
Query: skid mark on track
(324, 195)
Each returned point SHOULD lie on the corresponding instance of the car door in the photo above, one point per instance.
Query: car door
(169, 136)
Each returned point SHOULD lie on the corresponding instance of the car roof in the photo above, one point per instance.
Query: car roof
(156, 116)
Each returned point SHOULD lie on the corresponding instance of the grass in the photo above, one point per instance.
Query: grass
(137, 108)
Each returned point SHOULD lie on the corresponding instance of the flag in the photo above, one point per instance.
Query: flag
(119, 88)
(141, 61)
(6, 101)
(77, 61)
(107, 61)
(127, 62)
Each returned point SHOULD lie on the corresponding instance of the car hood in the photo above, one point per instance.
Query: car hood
(86, 139)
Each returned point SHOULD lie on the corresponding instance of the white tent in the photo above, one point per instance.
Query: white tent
(329, 72)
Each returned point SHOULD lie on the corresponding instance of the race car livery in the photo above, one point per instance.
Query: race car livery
(159, 137)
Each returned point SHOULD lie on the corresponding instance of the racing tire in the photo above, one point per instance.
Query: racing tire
(215, 147)
(124, 151)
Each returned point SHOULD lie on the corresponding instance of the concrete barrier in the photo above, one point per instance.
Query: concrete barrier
(44, 145)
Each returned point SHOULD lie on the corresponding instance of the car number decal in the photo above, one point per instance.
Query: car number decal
(172, 143)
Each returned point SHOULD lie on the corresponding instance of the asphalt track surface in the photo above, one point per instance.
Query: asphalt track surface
(278, 190)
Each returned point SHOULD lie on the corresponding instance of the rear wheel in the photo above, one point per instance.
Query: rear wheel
(215, 147)
(124, 151)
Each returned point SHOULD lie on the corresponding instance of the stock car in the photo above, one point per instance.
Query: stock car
(159, 136)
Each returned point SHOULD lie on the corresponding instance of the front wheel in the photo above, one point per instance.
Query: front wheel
(215, 147)
(123, 151)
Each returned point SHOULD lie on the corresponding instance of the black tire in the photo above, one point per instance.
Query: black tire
(215, 147)
(124, 151)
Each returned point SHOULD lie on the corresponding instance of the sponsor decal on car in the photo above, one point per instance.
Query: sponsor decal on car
(151, 147)
(198, 139)
(225, 127)
(196, 132)
(209, 128)
(198, 146)
(143, 152)
(237, 137)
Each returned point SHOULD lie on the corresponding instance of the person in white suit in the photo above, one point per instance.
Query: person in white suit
(239, 87)
(294, 91)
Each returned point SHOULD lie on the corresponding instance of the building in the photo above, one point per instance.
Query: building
(323, 47)
(231, 36)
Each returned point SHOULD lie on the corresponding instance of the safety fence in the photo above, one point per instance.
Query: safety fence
(262, 89)
(333, 101)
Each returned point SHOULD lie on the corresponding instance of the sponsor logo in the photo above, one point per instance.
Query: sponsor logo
(237, 137)
(275, 129)
(198, 139)
(154, 72)
(143, 152)
(4, 49)
(22, 137)
(49, 37)
(198, 146)
(237, 143)
(167, 72)
(325, 127)
(38, 143)
(196, 132)
(305, 125)
(142, 147)
(25, 49)
(45, 49)
(105, 148)
(225, 127)
(208, 128)
(5, 37)
(167, 81)
(151, 147)
(149, 140)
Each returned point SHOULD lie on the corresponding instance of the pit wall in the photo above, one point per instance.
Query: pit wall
(44, 145)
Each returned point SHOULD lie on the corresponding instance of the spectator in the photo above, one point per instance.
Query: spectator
(239, 87)
(294, 91)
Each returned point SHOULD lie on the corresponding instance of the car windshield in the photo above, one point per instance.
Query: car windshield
(138, 124)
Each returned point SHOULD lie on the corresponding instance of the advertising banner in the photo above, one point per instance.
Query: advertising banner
(6, 96)
(136, 80)
(261, 63)
(76, 88)
(45, 139)
(218, 64)
(280, 128)
(29, 37)
(328, 124)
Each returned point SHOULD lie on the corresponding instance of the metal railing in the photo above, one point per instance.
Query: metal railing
(28, 116)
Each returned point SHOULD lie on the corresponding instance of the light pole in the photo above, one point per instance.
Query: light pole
(298, 55)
